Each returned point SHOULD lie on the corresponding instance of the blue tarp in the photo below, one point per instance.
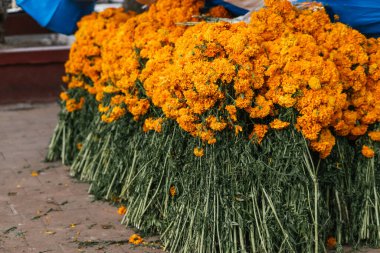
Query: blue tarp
(60, 16)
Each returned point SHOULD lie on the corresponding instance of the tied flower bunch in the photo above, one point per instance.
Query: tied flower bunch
(221, 77)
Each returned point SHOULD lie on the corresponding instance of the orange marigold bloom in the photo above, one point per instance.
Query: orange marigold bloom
(374, 135)
(122, 210)
(153, 124)
(238, 129)
(258, 133)
(286, 101)
(65, 79)
(324, 144)
(331, 242)
(359, 130)
(204, 76)
(219, 12)
(79, 146)
(72, 105)
(314, 83)
(368, 152)
(279, 124)
(64, 96)
(172, 191)
(215, 124)
(102, 108)
(199, 152)
(231, 109)
(115, 114)
(35, 173)
(110, 89)
(135, 239)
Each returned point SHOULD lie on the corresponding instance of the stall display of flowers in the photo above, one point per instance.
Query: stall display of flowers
(223, 136)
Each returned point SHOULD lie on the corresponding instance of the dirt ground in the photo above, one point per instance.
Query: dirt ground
(42, 209)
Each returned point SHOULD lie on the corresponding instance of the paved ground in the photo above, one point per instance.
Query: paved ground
(48, 212)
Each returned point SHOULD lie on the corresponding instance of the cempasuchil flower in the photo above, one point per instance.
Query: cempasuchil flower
(213, 78)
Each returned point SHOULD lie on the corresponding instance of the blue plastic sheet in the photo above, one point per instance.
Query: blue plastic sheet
(60, 16)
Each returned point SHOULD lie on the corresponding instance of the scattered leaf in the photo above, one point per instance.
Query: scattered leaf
(108, 226)
(64, 203)
(20, 234)
(44, 214)
(91, 225)
(9, 230)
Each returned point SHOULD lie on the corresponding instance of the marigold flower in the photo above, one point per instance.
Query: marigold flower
(135, 239)
(238, 129)
(64, 96)
(368, 152)
(359, 130)
(199, 152)
(122, 210)
(279, 124)
(172, 191)
(324, 144)
(65, 79)
(374, 135)
(258, 133)
(232, 112)
(153, 124)
(314, 83)
(110, 89)
(72, 105)
(205, 76)
(331, 242)
(79, 146)
(219, 12)
(102, 108)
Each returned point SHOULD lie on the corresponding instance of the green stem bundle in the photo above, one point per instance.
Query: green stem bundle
(239, 197)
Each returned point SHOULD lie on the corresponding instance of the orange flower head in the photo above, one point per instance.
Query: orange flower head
(153, 124)
(279, 124)
(172, 191)
(199, 152)
(79, 146)
(219, 12)
(314, 83)
(368, 152)
(331, 242)
(374, 135)
(258, 133)
(64, 96)
(238, 129)
(135, 239)
(122, 210)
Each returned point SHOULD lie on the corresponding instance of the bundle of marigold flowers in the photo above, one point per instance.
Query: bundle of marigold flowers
(230, 77)
(289, 95)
